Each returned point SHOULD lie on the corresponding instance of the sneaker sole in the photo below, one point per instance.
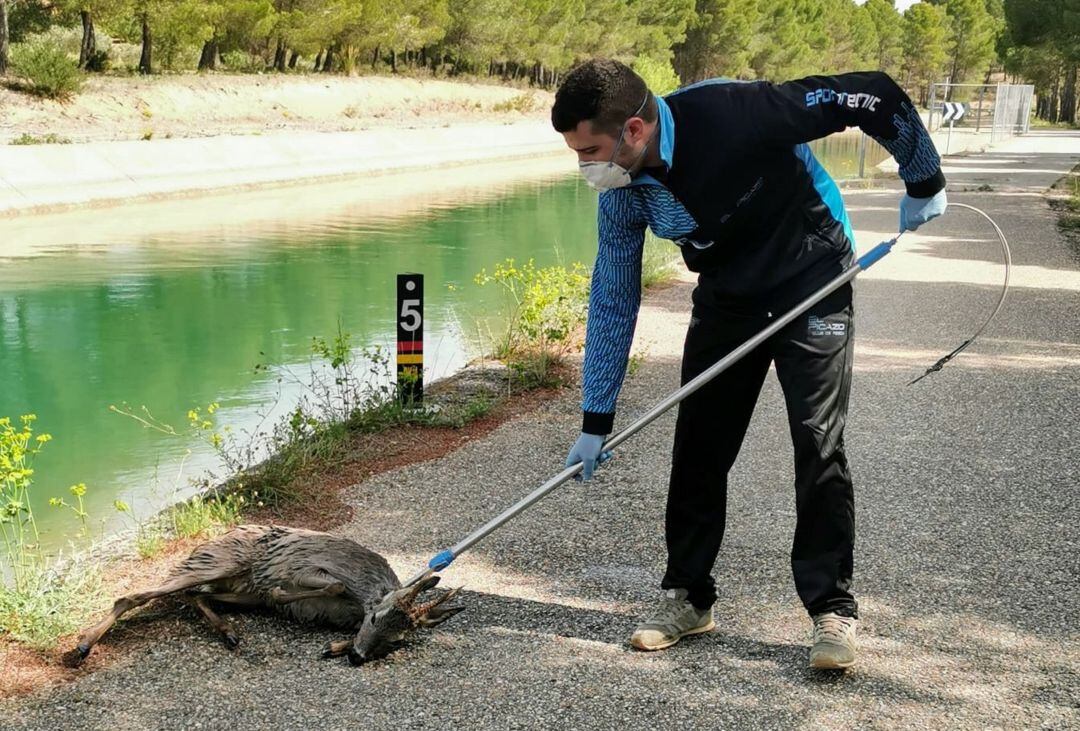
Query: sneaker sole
(821, 663)
(696, 631)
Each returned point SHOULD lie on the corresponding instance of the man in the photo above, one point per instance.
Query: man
(722, 169)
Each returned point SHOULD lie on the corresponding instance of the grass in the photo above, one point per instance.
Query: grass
(475, 408)
(49, 139)
(658, 261)
(1068, 208)
(49, 604)
(150, 542)
(201, 515)
(1040, 123)
(523, 103)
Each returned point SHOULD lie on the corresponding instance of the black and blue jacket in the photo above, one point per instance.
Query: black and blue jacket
(740, 192)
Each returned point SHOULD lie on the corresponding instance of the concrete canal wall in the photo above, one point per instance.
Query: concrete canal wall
(40, 178)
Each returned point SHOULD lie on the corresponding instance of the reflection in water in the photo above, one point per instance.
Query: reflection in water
(170, 305)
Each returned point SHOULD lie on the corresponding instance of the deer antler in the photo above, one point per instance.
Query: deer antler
(419, 612)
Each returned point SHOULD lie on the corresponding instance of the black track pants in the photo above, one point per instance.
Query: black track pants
(813, 357)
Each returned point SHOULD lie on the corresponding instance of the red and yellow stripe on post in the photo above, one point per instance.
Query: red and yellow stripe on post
(410, 338)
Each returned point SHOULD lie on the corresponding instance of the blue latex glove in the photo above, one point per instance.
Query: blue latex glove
(914, 212)
(587, 451)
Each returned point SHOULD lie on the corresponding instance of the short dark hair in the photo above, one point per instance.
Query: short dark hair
(603, 91)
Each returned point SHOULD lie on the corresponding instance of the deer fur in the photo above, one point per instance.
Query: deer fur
(308, 576)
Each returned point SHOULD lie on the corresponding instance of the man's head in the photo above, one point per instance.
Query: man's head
(605, 113)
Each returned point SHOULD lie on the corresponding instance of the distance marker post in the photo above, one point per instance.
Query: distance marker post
(410, 338)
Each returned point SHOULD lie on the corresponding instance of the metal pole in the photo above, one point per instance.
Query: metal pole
(862, 156)
(999, 112)
(933, 100)
(1029, 92)
(978, 116)
(443, 559)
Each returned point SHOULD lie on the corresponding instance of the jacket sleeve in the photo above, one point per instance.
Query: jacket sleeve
(614, 299)
(806, 109)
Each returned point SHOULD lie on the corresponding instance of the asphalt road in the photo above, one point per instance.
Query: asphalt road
(967, 561)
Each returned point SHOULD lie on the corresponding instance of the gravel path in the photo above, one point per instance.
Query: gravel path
(966, 564)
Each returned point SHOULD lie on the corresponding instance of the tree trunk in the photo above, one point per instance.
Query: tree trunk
(318, 60)
(89, 46)
(1068, 96)
(375, 57)
(279, 55)
(1054, 101)
(145, 58)
(328, 60)
(293, 58)
(208, 57)
(393, 60)
(3, 37)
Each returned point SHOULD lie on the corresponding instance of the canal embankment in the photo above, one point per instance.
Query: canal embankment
(41, 178)
(126, 139)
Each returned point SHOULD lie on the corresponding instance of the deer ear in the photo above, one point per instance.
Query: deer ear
(429, 583)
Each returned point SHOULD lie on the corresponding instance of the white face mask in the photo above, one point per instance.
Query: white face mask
(603, 176)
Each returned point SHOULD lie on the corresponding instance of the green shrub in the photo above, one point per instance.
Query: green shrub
(546, 307)
(18, 450)
(201, 515)
(98, 61)
(49, 604)
(48, 70)
(523, 103)
(39, 602)
(149, 542)
(49, 139)
(243, 62)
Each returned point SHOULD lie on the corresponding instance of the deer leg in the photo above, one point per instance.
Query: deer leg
(91, 636)
(319, 583)
(281, 596)
(201, 601)
(240, 600)
(336, 648)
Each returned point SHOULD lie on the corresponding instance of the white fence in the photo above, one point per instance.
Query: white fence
(1012, 110)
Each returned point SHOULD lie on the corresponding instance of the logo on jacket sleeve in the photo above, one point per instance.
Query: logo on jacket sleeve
(858, 100)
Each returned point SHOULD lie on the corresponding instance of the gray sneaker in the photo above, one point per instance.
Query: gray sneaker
(674, 619)
(834, 642)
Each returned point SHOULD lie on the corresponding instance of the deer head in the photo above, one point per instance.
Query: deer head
(397, 614)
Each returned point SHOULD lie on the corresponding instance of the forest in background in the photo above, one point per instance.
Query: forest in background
(670, 42)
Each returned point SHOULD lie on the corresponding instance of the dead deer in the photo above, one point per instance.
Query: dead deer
(309, 576)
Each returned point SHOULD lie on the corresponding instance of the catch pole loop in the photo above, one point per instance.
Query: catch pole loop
(997, 308)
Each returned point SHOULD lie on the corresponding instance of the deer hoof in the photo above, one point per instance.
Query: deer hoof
(231, 640)
(74, 658)
(328, 651)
